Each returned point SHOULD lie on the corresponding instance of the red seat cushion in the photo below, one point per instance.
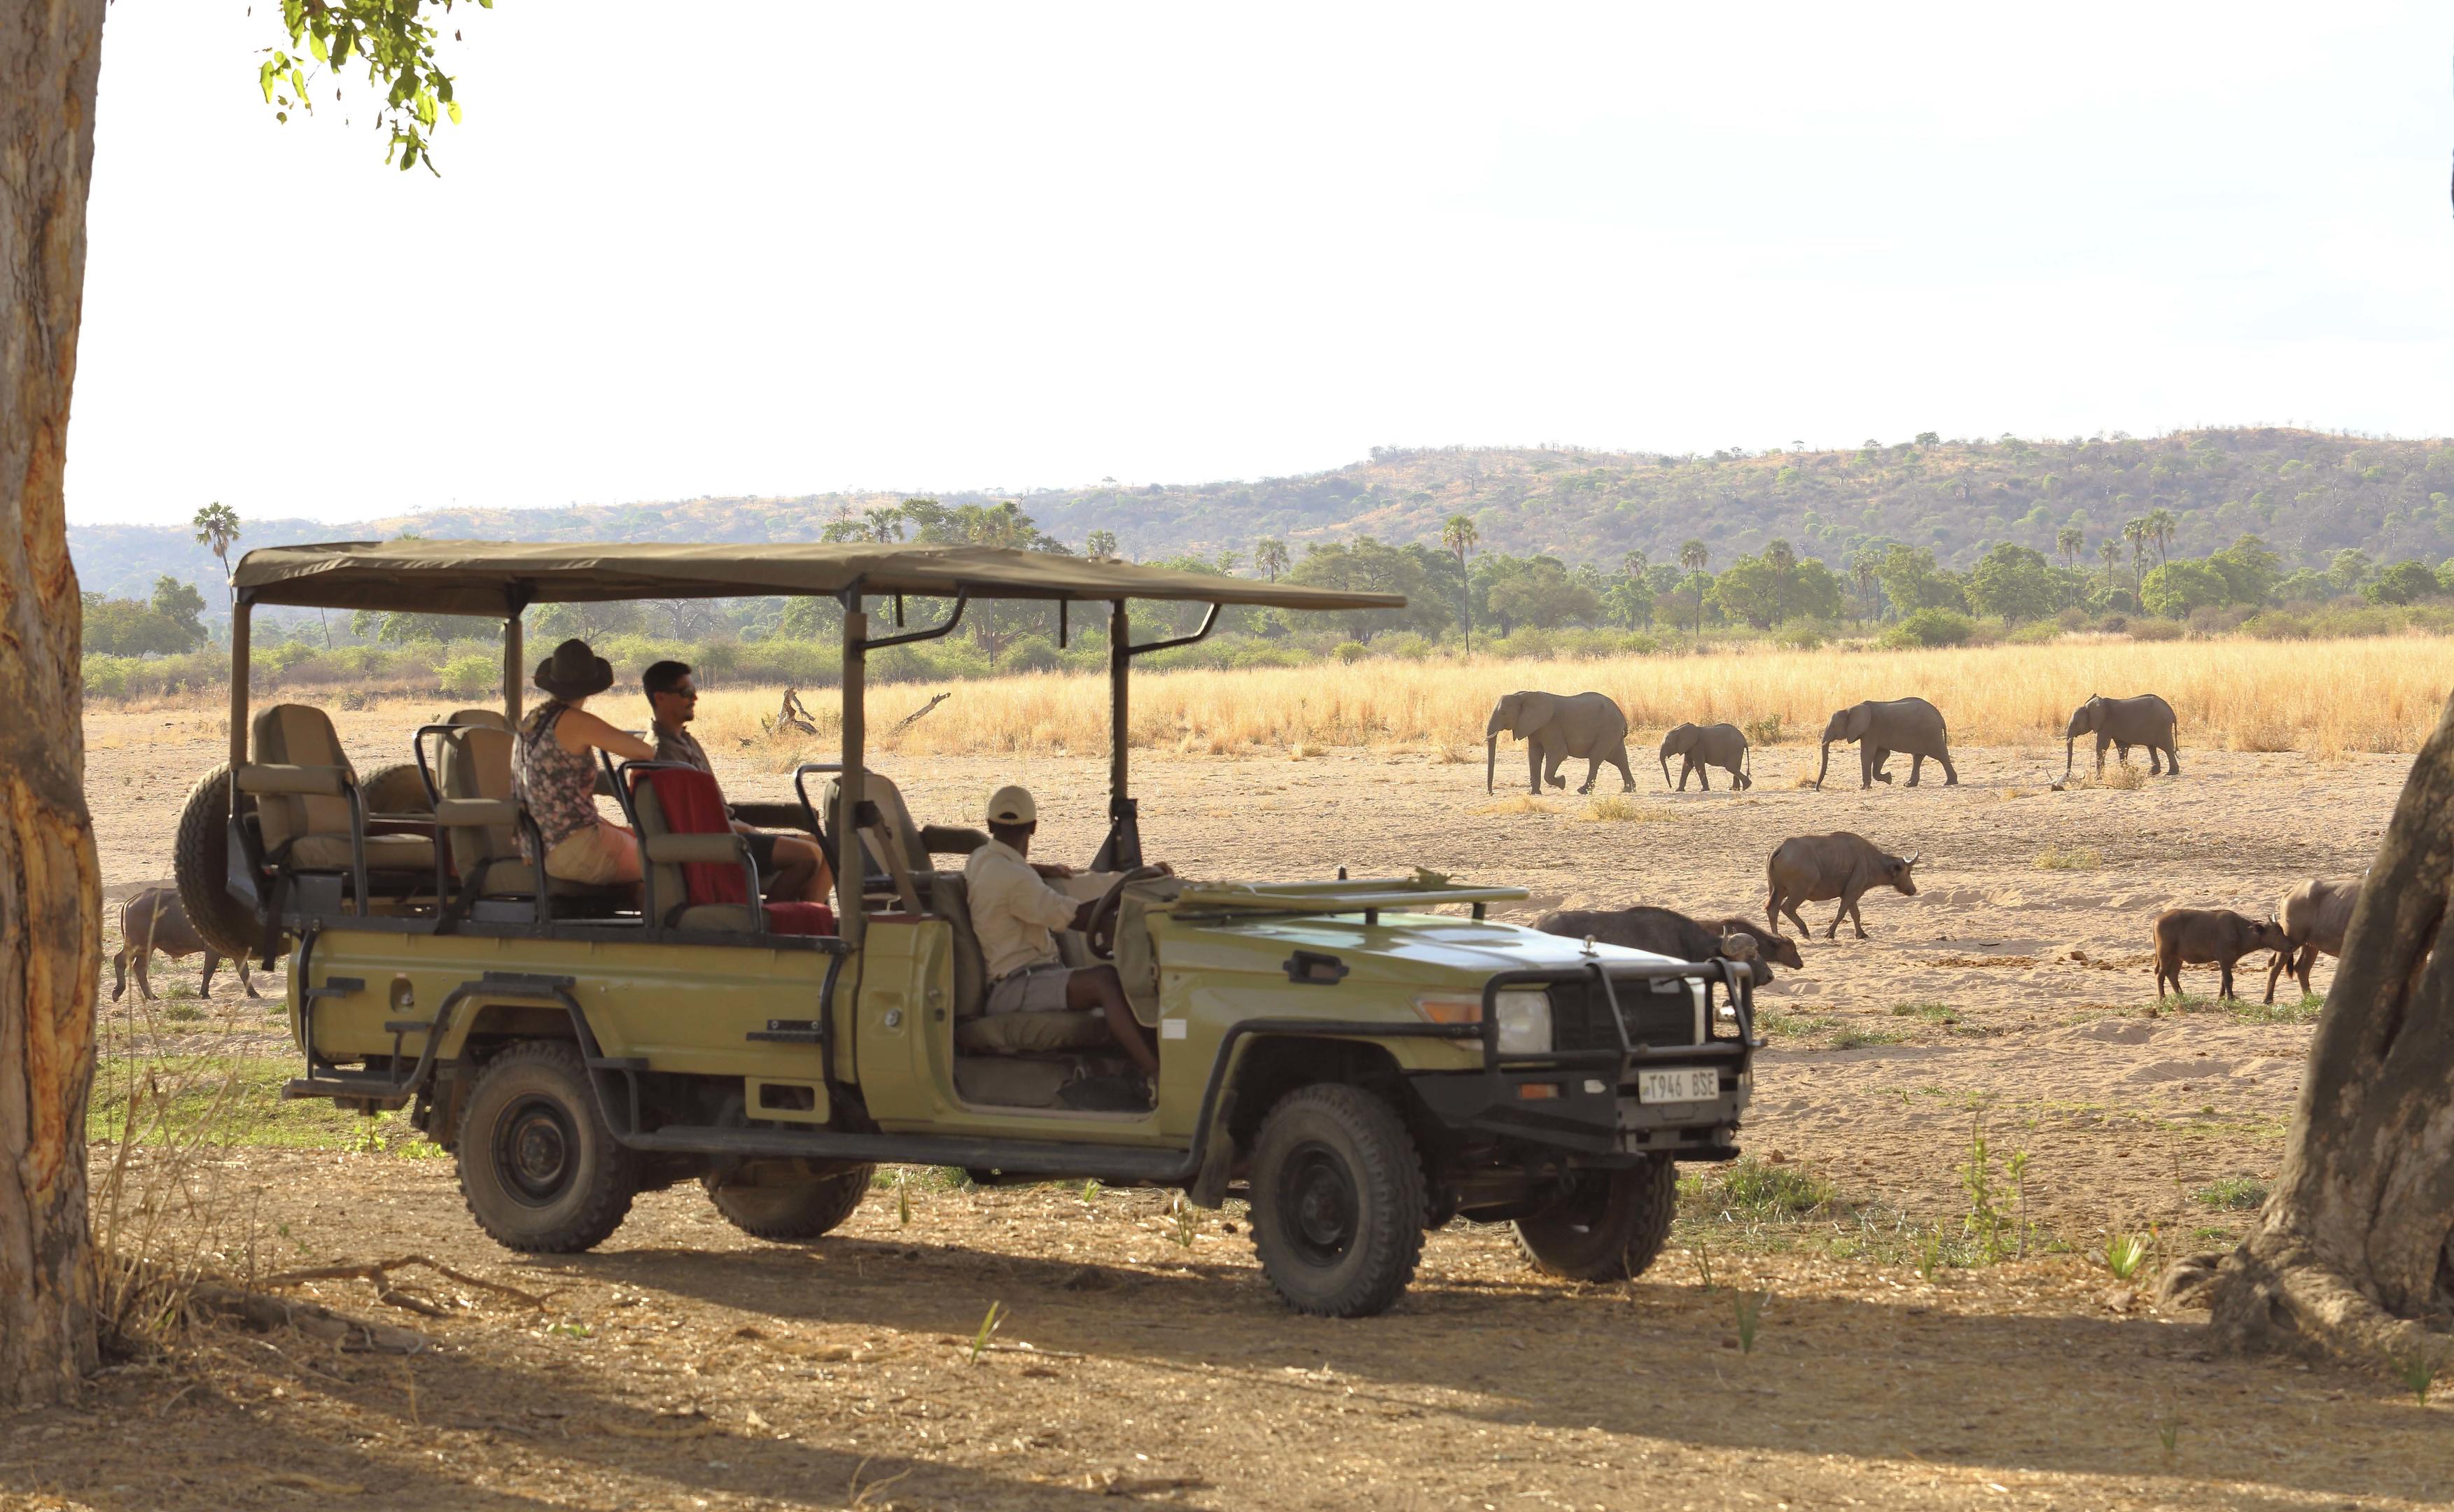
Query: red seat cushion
(800, 918)
(693, 805)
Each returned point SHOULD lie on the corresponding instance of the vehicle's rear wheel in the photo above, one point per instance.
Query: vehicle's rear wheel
(1605, 1226)
(200, 863)
(538, 1168)
(1337, 1202)
(395, 788)
(787, 1199)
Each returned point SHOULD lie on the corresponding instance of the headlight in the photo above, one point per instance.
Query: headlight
(1524, 1015)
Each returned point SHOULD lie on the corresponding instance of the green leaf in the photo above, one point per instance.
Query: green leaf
(315, 46)
(264, 76)
(455, 112)
(341, 40)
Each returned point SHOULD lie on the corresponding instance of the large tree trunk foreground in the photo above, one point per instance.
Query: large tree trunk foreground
(2352, 1255)
(50, 906)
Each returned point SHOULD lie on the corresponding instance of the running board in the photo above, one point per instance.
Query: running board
(1013, 1157)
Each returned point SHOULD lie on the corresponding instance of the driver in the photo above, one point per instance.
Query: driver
(1014, 909)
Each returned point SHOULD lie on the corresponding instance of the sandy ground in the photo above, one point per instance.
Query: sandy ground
(2020, 1385)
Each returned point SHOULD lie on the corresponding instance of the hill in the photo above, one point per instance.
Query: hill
(2308, 494)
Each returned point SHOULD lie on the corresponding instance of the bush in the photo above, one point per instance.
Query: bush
(1033, 654)
(2155, 630)
(466, 676)
(1930, 627)
(1352, 651)
(2036, 633)
(106, 676)
(1800, 637)
(2277, 625)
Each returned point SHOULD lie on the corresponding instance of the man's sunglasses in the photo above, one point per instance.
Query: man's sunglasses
(692, 693)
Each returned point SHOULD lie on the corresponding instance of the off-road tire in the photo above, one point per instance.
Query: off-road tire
(1608, 1227)
(1338, 1201)
(783, 1200)
(394, 788)
(200, 865)
(540, 1170)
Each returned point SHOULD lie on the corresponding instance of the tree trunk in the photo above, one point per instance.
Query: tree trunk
(50, 906)
(2352, 1253)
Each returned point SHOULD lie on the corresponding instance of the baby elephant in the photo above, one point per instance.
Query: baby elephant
(2315, 916)
(1666, 931)
(1702, 747)
(1819, 868)
(2218, 936)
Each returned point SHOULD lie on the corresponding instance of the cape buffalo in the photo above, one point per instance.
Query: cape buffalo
(1666, 931)
(2314, 916)
(1818, 868)
(2218, 936)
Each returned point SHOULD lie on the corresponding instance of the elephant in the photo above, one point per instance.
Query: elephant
(2144, 720)
(1700, 747)
(1880, 728)
(1555, 727)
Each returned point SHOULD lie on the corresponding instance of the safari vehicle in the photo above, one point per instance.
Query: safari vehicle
(1361, 1059)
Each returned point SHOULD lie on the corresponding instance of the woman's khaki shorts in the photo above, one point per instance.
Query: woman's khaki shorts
(602, 853)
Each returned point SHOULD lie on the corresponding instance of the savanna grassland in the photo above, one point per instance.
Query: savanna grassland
(1976, 1137)
(2241, 695)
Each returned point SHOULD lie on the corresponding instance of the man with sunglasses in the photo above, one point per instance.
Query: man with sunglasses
(793, 866)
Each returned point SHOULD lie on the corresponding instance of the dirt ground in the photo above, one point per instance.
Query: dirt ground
(683, 1365)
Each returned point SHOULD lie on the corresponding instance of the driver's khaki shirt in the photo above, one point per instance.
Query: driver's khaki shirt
(1013, 910)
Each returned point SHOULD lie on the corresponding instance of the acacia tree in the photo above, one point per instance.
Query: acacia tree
(2354, 1252)
(51, 926)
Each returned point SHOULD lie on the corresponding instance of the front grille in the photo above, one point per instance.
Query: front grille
(1580, 1016)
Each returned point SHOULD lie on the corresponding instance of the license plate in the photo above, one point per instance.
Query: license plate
(1693, 1084)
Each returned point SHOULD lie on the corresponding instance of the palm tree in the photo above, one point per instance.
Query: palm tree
(217, 525)
(1866, 568)
(1102, 546)
(1692, 555)
(2111, 551)
(2070, 541)
(1270, 558)
(2135, 531)
(1636, 562)
(1460, 536)
(884, 523)
(2160, 526)
(1783, 557)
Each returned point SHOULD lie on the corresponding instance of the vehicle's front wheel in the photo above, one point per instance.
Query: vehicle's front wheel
(1605, 1225)
(1339, 1203)
(539, 1167)
(787, 1199)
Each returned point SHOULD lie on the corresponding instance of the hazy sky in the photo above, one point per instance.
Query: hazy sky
(943, 247)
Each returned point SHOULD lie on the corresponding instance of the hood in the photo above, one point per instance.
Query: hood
(1426, 951)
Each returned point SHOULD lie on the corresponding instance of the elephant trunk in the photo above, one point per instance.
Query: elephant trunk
(1820, 767)
(2070, 743)
(1490, 759)
(1665, 771)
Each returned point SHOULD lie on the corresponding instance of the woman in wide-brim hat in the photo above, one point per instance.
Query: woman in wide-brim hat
(557, 775)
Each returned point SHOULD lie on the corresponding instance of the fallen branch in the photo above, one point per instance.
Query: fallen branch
(265, 1313)
(375, 1271)
(913, 718)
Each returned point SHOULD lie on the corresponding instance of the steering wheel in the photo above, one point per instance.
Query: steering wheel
(1100, 931)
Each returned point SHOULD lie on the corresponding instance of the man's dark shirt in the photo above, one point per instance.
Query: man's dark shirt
(675, 743)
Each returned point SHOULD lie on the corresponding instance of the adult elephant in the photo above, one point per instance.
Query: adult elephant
(1556, 726)
(1703, 746)
(2144, 720)
(1879, 727)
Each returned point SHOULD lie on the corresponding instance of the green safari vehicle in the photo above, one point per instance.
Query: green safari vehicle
(1362, 1059)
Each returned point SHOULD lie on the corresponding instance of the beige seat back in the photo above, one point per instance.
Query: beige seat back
(949, 897)
(298, 735)
(475, 762)
(484, 718)
(910, 865)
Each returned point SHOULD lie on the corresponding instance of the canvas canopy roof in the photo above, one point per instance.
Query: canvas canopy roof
(495, 577)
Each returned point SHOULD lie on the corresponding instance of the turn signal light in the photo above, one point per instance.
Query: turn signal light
(1537, 1091)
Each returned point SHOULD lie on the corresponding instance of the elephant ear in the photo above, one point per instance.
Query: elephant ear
(1862, 718)
(1534, 711)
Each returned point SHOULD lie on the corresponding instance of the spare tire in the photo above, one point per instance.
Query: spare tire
(395, 788)
(200, 862)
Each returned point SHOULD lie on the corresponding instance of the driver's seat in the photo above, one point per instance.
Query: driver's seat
(978, 1032)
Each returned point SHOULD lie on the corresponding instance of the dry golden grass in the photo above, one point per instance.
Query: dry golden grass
(1619, 809)
(2325, 698)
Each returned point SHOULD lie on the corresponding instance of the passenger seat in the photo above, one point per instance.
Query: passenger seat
(701, 874)
(477, 811)
(304, 788)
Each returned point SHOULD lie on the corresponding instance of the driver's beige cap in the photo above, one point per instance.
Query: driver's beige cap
(1011, 805)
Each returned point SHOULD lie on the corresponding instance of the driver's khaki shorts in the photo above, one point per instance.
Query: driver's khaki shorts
(1033, 989)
